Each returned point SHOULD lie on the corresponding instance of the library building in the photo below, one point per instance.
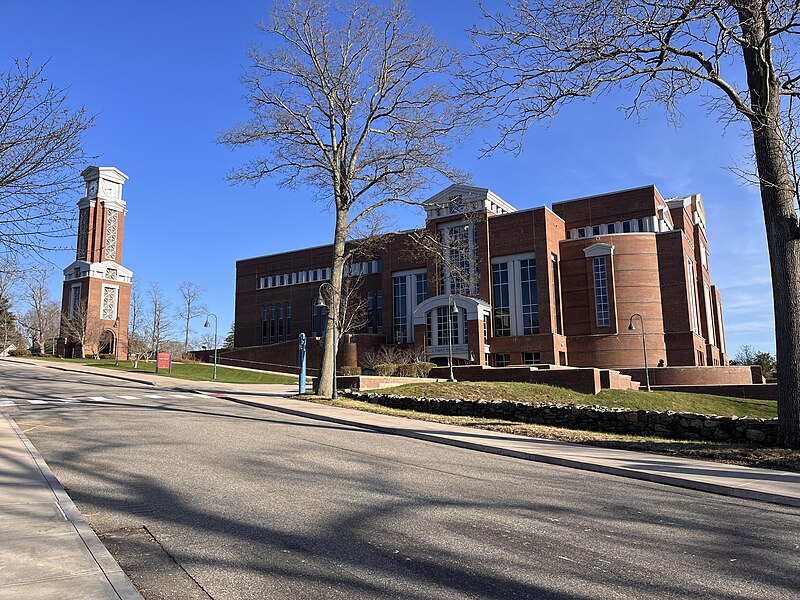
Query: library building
(497, 285)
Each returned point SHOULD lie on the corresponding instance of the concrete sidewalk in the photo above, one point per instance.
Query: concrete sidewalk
(48, 550)
(779, 487)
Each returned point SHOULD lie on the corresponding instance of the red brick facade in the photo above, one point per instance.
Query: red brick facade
(553, 286)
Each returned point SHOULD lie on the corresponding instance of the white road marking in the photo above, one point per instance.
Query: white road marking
(155, 397)
(99, 398)
(66, 400)
(38, 401)
(179, 396)
(202, 396)
(7, 403)
(128, 397)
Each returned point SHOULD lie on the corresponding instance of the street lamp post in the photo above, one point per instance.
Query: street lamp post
(116, 342)
(452, 309)
(631, 327)
(207, 324)
(320, 303)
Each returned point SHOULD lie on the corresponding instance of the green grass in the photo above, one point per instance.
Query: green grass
(189, 371)
(637, 400)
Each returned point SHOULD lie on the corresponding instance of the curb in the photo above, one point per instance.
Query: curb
(674, 481)
(111, 570)
(80, 371)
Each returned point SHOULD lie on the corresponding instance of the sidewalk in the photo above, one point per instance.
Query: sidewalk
(48, 550)
(779, 487)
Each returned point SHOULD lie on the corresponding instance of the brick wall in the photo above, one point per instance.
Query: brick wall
(586, 381)
(698, 375)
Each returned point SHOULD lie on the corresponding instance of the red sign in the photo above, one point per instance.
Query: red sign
(164, 360)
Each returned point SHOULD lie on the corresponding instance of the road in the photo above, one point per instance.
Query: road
(202, 497)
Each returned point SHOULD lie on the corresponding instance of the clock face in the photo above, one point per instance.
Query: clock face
(109, 189)
(91, 188)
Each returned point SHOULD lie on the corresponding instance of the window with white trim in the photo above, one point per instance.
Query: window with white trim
(709, 316)
(692, 294)
(601, 308)
(501, 303)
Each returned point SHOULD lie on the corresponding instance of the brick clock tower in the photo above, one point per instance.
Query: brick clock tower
(95, 302)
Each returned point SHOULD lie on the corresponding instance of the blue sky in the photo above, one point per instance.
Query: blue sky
(163, 79)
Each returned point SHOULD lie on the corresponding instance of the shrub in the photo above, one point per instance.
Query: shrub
(424, 368)
(406, 370)
(19, 352)
(350, 371)
(107, 356)
(385, 369)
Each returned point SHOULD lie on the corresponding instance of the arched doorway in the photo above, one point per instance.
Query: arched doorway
(107, 342)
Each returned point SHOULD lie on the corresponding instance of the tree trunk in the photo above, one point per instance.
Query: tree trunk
(780, 217)
(327, 367)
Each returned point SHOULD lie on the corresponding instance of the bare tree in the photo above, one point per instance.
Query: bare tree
(190, 308)
(540, 55)
(159, 325)
(135, 322)
(40, 152)
(37, 296)
(79, 328)
(352, 99)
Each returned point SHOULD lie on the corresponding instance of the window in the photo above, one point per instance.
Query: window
(264, 324)
(280, 322)
(400, 310)
(557, 293)
(314, 309)
(485, 329)
(460, 266)
(75, 302)
(596, 230)
(370, 313)
(531, 358)
(379, 311)
(611, 227)
(288, 320)
(641, 224)
(626, 227)
(443, 328)
(501, 360)
(501, 305)
(421, 280)
(108, 310)
(530, 297)
(581, 232)
(601, 291)
(429, 328)
(709, 316)
(721, 330)
(692, 293)
(703, 255)
(272, 337)
(569, 234)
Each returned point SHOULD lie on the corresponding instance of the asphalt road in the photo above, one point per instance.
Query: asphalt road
(202, 497)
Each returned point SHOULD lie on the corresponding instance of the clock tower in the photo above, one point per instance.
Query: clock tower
(95, 302)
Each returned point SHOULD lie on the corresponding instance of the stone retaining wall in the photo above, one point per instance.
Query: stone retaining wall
(594, 418)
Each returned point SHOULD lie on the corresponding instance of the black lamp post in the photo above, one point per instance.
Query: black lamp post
(207, 324)
(631, 327)
(452, 309)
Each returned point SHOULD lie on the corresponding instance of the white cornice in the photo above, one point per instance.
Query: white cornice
(108, 173)
(599, 249)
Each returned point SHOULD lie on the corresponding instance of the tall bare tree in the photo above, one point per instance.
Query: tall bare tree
(42, 317)
(539, 55)
(190, 308)
(135, 319)
(80, 328)
(353, 100)
(159, 324)
(40, 152)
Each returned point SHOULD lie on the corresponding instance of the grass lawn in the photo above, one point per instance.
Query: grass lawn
(753, 455)
(637, 400)
(190, 371)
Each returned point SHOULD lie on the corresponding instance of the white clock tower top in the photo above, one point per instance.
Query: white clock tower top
(104, 183)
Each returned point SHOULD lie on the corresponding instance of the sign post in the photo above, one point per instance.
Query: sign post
(302, 360)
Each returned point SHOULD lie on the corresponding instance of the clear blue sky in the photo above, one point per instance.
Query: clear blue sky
(163, 78)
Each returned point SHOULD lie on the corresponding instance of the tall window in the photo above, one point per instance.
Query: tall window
(557, 293)
(400, 310)
(709, 318)
(83, 234)
(370, 313)
(421, 281)
(272, 336)
(530, 296)
(379, 311)
(501, 307)
(280, 322)
(692, 293)
(601, 291)
(314, 319)
(460, 246)
(288, 320)
(442, 327)
(264, 324)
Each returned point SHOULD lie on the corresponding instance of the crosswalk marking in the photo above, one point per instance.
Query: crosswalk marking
(10, 403)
